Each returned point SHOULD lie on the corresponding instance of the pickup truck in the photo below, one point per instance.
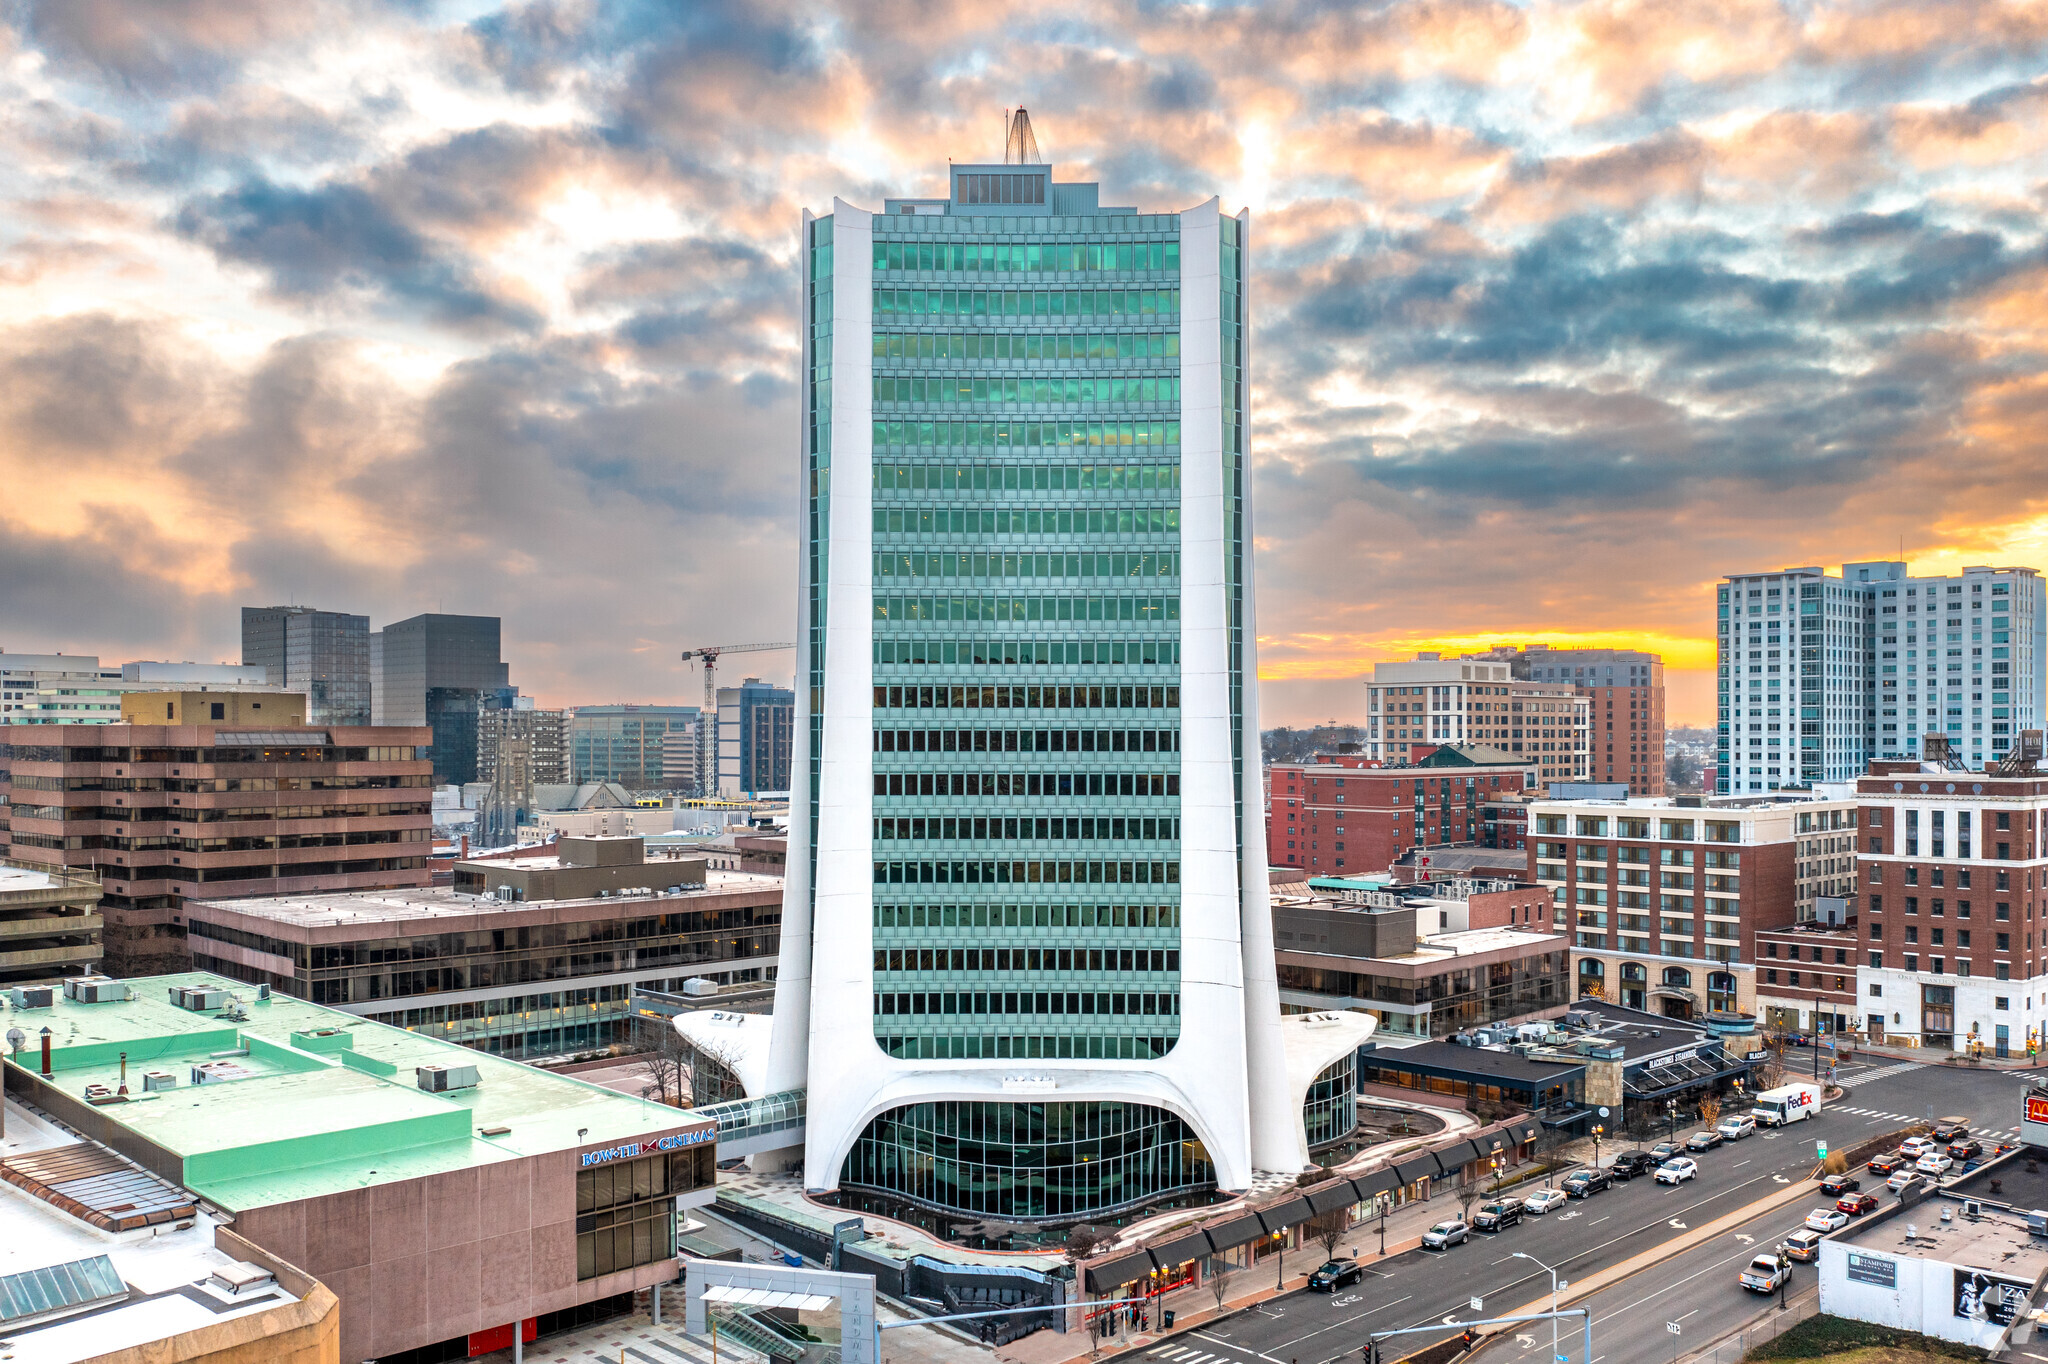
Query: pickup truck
(1766, 1273)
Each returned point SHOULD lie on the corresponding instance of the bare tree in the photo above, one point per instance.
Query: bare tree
(667, 1068)
(1219, 1280)
(1469, 1191)
(1710, 1110)
(1329, 1228)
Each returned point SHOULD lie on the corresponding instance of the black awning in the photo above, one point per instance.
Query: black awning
(1378, 1182)
(1234, 1233)
(1113, 1274)
(1330, 1199)
(1417, 1167)
(1525, 1129)
(1292, 1213)
(1177, 1252)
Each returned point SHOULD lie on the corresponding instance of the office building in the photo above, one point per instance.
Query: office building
(325, 655)
(166, 811)
(517, 749)
(73, 689)
(535, 955)
(1806, 977)
(1430, 700)
(1664, 898)
(1424, 960)
(1878, 659)
(448, 1199)
(1026, 908)
(755, 735)
(623, 743)
(1953, 867)
(1346, 813)
(1626, 688)
(441, 672)
(680, 757)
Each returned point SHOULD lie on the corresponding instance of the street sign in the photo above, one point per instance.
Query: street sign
(1820, 1150)
(1563, 1284)
(1672, 1327)
(1478, 1304)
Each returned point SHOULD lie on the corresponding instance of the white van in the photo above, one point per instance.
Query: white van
(1786, 1103)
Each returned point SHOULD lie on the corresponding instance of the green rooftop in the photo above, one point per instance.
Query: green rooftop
(309, 1100)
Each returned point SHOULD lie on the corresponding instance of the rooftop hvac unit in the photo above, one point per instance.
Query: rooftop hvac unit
(199, 998)
(154, 1080)
(33, 997)
(442, 1079)
(263, 991)
(96, 991)
(698, 985)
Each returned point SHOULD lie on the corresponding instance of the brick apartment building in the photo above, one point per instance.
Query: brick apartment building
(1346, 813)
(1626, 689)
(164, 812)
(1806, 977)
(1952, 871)
(1665, 898)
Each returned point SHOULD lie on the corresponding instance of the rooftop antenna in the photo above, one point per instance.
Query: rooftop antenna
(1020, 146)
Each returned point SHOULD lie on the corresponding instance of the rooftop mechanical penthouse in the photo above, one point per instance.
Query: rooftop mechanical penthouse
(1028, 965)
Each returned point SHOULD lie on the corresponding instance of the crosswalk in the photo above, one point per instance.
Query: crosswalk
(1852, 1080)
(1190, 1354)
(1984, 1134)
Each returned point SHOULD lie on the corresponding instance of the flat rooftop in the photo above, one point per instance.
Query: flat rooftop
(164, 1269)
(289, 1117)
(1996, 1242)
(21, 878)
(333, 909)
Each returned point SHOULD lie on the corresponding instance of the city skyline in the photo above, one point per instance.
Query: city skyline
(1635, 304)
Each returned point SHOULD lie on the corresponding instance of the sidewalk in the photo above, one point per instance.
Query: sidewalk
(1865, 1052)
(1195, 1306)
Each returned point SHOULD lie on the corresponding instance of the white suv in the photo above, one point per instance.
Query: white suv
(1736, 1128)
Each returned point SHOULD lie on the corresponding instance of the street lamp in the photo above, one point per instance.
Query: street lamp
(1671, 1120)
(1385, 1201)
(1279, 1258)
(1524, 1255)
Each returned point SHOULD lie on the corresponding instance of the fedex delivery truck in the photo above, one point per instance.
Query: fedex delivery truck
(1787, 1103)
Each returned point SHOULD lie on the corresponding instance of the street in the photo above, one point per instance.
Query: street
(1425, 1288)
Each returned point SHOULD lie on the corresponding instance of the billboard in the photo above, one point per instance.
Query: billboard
(1989, 1297)
(1873, 1269)
(2034, 1119)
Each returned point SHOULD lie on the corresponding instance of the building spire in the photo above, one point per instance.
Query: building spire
(1020, 147)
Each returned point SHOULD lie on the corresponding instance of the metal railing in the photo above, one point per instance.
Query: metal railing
(1731, 1348)
(749, 1332)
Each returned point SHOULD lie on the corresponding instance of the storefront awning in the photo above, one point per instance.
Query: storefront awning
(1177, 1252)
(1338, 1195)
(1113, 1274)
(1292, 1213)
(1417, 1167)
(1236, 1232)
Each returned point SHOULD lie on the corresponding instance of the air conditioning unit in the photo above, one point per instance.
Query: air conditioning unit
(698, 985)
(263, 991)
(33, 997)
(199, 998)
(154, 1080)
(442, 1079)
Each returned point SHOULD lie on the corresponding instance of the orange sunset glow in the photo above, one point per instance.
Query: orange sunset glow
(1560, 311)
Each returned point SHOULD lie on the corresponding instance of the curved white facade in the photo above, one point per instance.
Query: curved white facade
(1226, 1068)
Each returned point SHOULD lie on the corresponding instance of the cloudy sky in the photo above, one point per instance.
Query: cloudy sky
(1561, 310)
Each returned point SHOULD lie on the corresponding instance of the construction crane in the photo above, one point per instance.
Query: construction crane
(707, 721)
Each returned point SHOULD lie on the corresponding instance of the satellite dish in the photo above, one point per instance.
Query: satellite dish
(15, 1038)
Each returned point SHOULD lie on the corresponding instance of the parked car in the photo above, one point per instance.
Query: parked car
(1677, 1170)
(1902, 1180)
(1737, 1127)
(1967, 1148)
(1629, 1164)
(1542, 1201)
(1950, 1129)
(1836, 1185)
(1705, 1139)
(1886, 1163)
(1856, 1204)
(1498, 1216)
(1915, 1147)
(1334, 1274)
(1663, 1151)
(1803, 1245)
(1934, 1163)
(1444, 1235)
(1584, 1183)
(1765, 1273)
(1827, 1219)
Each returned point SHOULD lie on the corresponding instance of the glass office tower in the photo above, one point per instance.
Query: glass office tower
(1028, 967)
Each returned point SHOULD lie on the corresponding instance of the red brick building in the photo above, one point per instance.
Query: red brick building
(1347, 814)
(1804, 970)
(166, 812)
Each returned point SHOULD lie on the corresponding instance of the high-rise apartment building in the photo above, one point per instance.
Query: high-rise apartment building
(1028, 968)
(755, 734)
(1820, 675)
(1626, 689)
(623, 743)
(439, 671)
(324, 655)
(1431, 700)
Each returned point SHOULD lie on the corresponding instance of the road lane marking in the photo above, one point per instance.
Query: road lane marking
(1356, 1316)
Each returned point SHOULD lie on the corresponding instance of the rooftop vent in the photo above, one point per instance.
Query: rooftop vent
(443, 1079)
(241, 1277)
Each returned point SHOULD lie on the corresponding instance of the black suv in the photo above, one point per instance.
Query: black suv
(1498, 1216)
(1335, 1274)
(1582, 1183)
(1629, 1164)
